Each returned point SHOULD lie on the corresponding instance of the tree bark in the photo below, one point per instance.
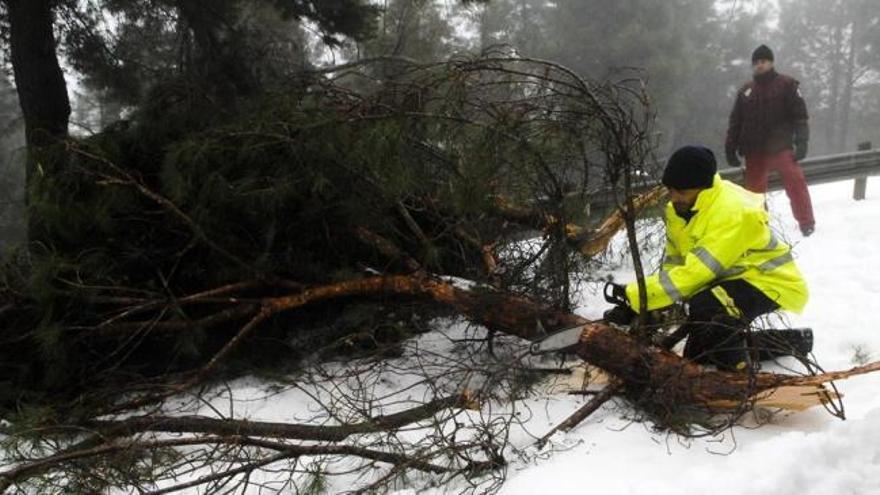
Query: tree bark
(665, 376)
(645, 370)
(42, 91)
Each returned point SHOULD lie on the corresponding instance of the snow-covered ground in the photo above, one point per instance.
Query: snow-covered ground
(803, 453)
(796, 453)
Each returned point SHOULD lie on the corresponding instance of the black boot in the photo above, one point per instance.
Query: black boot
(774, 343)
(721, 343)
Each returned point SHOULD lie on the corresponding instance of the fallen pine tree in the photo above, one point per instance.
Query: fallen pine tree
(647, 372)
(174, 262)
(666, 376)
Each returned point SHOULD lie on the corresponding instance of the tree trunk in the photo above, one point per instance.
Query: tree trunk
(42, 91)
(218, 57)
(834, 96)
(664, 378)
(849, 82)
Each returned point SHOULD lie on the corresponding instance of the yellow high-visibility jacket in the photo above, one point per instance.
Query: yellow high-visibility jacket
(728, 238)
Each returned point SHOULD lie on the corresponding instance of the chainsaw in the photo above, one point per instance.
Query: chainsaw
(770, 342)
(559, 341)
(567, 338)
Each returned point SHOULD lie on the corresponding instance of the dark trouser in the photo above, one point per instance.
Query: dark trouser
(715, 336)
(759, 165)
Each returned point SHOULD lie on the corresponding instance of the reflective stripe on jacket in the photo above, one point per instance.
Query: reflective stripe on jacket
(728, 238)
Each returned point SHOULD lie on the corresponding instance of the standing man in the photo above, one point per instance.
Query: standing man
(724, 261)
(769, 118)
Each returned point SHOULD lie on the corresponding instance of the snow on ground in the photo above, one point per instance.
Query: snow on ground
(797, 453)
(803, 453)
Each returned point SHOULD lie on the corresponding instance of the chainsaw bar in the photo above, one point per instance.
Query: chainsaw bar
(558, 341)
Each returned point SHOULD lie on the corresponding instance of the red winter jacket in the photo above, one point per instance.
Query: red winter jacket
(767, 113)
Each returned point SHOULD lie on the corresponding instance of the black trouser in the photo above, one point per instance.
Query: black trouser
(717, 335)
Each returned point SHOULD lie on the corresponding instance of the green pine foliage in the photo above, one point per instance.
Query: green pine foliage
(187, 195)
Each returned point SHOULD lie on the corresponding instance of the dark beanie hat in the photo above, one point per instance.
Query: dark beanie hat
(763, 52)
(690, 167)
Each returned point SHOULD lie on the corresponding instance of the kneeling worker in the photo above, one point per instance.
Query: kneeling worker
(723, 259)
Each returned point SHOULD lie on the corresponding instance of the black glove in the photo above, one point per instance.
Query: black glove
(800, 150)
(615, 294)
(620, 315)
(733, 159)
(801, 138)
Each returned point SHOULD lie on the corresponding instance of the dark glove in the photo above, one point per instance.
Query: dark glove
(620, 315)
(800, 150)
(801, 138)
(733, 159)
(615, 294)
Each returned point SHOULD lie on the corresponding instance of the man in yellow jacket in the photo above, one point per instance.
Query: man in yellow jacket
(722, 259)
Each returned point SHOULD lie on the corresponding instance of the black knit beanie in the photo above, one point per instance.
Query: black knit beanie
(763, 52)
(690, 167)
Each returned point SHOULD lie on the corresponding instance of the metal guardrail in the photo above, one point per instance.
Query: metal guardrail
(824, 169)
(818, 170)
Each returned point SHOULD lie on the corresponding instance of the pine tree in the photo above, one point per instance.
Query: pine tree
(831, 47)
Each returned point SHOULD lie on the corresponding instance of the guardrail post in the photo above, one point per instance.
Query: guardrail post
(861, 185)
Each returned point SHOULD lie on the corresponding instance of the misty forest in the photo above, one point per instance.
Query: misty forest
(372, 208)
